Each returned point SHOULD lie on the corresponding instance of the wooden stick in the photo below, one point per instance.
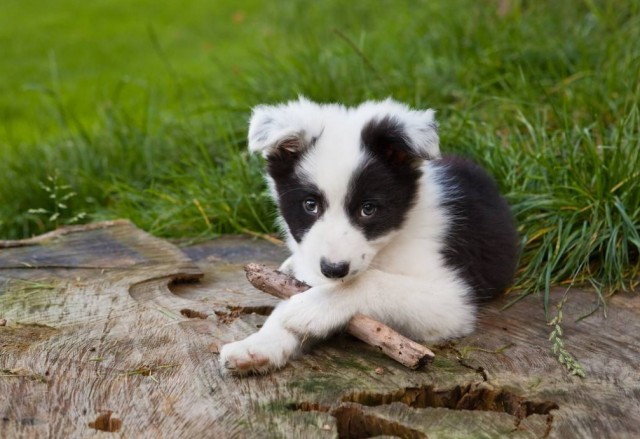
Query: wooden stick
(396, 346)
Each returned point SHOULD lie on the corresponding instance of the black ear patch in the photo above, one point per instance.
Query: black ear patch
(386, 140)
(287, 149)
(387, 179)
(291, 145)
(282, 159)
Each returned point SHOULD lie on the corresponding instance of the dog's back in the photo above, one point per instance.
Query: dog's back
(481, 241)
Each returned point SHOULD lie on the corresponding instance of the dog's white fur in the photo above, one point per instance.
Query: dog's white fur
(399, 279)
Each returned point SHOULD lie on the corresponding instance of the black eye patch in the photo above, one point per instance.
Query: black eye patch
(392, 193)
(294, 192)
(387, 178)
(293, 200)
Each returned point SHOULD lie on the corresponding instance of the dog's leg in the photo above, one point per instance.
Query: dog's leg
(422, 309)
(316, 313)
(287, 266)
(431, 308)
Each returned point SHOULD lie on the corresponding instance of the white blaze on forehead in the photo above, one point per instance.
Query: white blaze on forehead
(336, 152)
(330, 164)
(334, 157)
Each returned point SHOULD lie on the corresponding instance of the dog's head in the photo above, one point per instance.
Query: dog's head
(344, 178)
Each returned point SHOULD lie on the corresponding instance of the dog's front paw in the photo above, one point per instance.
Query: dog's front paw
(259, 353)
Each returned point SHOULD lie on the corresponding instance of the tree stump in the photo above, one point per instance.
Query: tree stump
(109, 330)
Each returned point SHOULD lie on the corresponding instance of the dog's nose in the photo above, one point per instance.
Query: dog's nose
(334, 271)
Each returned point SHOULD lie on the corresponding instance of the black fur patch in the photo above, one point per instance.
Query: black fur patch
(386, 139)
(293, 190)
(482, 240)
(388, 178)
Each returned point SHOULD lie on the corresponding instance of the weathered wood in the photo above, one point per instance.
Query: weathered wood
(396, 346)
(99, 336)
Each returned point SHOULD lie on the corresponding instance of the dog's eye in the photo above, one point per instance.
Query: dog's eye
(368, 209)
(310, 205)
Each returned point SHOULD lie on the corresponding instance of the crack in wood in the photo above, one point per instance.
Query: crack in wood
(106, 422)
(549, 426)
(479, 370)
(353, 422)
(192, 314)
(474, 396)
(227, 317)
(460, 358)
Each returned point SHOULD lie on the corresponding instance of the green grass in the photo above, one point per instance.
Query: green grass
(141, 108)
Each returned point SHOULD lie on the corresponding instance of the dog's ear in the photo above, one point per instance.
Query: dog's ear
(402, 137)
(285, 129)
(422, 131)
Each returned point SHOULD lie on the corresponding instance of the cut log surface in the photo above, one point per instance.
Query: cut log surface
(110, 332)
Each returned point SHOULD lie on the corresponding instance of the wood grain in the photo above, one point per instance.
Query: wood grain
(111, 332)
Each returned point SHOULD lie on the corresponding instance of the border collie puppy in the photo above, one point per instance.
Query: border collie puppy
(377, 223)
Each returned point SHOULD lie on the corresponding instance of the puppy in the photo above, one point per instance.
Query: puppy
(377, 223)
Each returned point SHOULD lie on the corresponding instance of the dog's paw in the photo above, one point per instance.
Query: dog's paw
(259, 353)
